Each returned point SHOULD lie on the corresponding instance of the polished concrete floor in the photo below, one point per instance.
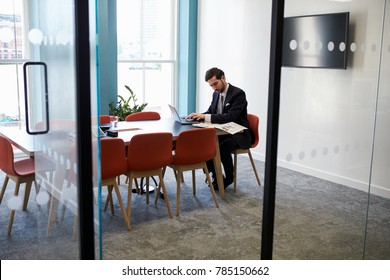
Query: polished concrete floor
(314, 219)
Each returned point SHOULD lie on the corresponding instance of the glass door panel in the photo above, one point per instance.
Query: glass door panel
(45, 78)
(378, 218)
(326, 140)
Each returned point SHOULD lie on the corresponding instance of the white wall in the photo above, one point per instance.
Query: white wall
(327, 116)
(234, 35)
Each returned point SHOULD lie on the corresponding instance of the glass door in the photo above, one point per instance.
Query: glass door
(46, 86)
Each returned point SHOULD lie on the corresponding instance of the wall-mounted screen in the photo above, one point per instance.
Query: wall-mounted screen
(318, 41)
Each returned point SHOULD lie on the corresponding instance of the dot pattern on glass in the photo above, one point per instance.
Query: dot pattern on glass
(35, 36)
(42, 198)
(330, 46)
(14, 203)
(293, 45)
(342, 46)
(325, 151)
(353, 47)
(306, 45)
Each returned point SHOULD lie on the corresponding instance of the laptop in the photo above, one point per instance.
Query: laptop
(181, 120)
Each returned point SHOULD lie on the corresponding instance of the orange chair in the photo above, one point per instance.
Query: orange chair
(22, 171)
(104, 119)
(254, 127)
(113, 163)
(193, 148)
(147, 155)
(143, 116)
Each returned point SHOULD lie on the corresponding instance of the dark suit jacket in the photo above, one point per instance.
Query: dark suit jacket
(234, 110)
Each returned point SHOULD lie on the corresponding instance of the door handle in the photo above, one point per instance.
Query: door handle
(35, 82)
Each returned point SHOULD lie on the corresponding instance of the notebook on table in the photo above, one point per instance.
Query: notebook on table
(179, 119)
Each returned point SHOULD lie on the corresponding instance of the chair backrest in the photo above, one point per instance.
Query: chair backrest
(6, 156)
(195, 146)
(104, 119)
(149, 151)
(143, 116)
(254, 127)
(112, 157)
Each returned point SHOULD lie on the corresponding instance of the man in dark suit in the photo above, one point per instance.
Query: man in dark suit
(229, 104)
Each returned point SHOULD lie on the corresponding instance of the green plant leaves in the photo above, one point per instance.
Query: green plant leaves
(125, 107)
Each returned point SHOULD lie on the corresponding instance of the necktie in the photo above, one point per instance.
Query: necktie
(220, 104)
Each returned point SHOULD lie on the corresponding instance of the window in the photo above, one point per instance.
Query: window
(147, 50)
(11, 42)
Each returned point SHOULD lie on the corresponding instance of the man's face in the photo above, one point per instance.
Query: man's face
(217, 85)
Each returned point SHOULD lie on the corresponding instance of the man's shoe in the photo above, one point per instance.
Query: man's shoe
(226, 183)
(215, 185)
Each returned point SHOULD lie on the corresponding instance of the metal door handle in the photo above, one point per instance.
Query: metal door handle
(44, 97)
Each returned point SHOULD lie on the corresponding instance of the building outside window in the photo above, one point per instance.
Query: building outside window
(147, 50)
(12, 52)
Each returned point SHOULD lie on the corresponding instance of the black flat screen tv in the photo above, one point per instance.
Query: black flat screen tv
(316, 41)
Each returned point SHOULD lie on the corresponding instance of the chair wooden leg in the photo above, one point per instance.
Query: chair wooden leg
(12, 215)
(254, 167)
(235, 172)
(178, 180)
(6, 179)
(165, 195)
(193, 183)
(211, 185)
(27, 195)
(137, 187)
(129, 193)
(127, 219)
(157, 193)
(110, 201)
(147, 190)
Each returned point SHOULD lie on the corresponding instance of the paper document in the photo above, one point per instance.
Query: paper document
(230, 127)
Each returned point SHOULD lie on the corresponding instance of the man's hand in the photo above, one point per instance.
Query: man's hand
(196, 116)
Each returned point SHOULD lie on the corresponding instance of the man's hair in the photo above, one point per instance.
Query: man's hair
(218, 73)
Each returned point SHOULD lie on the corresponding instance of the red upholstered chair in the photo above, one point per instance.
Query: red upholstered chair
(193, 148)
(22, 171)
(147, 155)
(113, 163)
(143, 116)
(104, 119)
(254, 127)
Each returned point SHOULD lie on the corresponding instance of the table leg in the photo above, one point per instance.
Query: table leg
(218, 170)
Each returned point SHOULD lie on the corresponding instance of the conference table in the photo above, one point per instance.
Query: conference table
(29, 144)
(128, 129)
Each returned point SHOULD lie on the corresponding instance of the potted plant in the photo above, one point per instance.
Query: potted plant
(124, 107)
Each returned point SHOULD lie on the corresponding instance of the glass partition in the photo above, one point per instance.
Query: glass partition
(333, 143)
(39, 117)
